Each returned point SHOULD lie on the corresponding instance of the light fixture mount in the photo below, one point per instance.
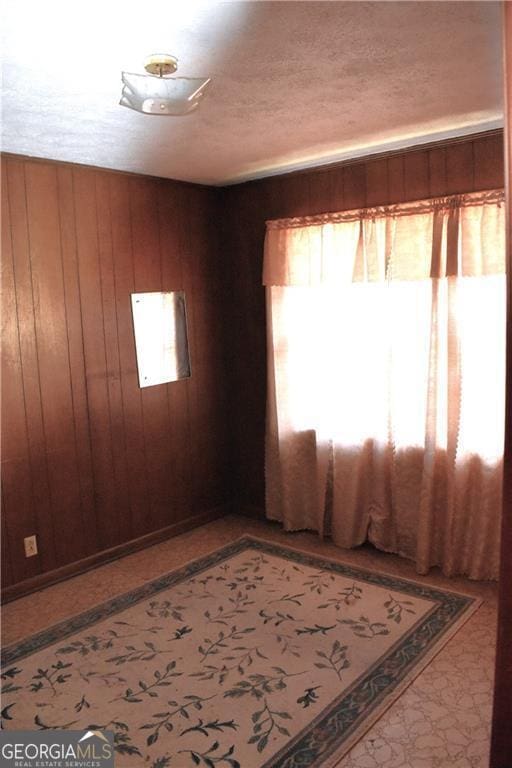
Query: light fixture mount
(161, 64)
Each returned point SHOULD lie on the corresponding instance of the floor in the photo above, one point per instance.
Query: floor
(442, 719)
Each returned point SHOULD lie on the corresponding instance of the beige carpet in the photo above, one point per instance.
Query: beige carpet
(256, 655)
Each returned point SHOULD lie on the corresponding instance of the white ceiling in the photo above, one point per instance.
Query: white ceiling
(294, 83)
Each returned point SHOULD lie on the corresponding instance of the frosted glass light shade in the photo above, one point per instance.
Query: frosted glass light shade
(162, 95)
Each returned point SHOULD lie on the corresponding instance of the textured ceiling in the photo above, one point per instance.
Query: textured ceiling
(294, 83)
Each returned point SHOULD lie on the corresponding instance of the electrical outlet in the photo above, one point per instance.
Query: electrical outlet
(30, 546)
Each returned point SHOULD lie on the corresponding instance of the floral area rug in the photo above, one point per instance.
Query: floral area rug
(255, 656)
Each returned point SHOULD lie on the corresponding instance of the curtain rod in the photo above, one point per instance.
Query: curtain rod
(425, 205)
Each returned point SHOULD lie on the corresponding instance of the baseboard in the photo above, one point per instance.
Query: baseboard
(42, 580)
(249, 510)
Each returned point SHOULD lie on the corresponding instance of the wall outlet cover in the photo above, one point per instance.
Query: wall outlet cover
(30, 543)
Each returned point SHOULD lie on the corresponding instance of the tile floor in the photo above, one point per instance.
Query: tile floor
(441, 721)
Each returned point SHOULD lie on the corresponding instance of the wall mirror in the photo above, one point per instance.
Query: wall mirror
(161, 341)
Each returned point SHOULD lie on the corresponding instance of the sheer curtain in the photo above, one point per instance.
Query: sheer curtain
(386, 369)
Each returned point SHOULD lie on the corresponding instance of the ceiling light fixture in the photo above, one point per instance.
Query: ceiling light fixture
(159, 94)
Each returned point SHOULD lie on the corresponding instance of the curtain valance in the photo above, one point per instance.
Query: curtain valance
(410, 241)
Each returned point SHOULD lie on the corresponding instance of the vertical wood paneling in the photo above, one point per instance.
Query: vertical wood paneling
(76, 357)
(273, 192)
(338, 188)
(416, 181)
(420, 173)
(91, 302)
(91, 461)
(112, 361)
(377, 192)
(148, 277)
(488, 163)
(36, 475)
(297, 200)
(18, 512)
(136, 515)
(206, 424)
(396, 178)
(172, 226)
(354, 186)
(191, 241)
(437, 171)
(320, 192)
(7, 575)
(54, 368)
(460, 168)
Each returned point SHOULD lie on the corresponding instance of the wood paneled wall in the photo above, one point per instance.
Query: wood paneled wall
(462, 166)
(89, 460)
